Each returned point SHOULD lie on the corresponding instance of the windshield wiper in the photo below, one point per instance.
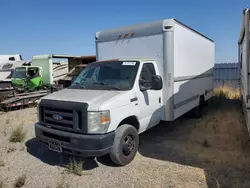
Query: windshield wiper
(109, 85)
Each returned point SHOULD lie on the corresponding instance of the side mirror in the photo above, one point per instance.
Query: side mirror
(156, 82)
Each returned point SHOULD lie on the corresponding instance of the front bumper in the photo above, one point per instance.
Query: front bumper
(76, 144)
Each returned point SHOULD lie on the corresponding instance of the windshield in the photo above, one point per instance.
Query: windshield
(19, 72)
(112, 75)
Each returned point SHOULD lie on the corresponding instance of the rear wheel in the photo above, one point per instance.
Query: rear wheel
(125, 145)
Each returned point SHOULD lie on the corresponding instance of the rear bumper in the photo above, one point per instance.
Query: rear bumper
(76, 144)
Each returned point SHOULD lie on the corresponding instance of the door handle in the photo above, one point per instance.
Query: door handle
(160, 100)
(133, 99)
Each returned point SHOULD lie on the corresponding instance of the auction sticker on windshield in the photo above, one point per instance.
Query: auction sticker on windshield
(129, 63)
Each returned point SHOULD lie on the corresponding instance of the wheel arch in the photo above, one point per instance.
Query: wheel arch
(131, 120)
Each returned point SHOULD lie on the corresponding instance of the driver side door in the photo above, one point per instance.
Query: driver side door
(149, 101)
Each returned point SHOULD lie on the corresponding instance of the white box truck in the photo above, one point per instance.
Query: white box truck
(244, 60)
(144, 74)
(52, 71)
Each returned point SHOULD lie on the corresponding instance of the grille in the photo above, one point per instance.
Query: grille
(67, 116)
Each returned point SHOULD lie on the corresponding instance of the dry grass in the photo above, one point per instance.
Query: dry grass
(225, 141)
(17, 135)
(227, 92)
(222, 128)
(220, 132)
(20, 181)
(75, 167)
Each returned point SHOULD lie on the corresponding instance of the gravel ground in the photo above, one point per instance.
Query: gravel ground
(209, 152)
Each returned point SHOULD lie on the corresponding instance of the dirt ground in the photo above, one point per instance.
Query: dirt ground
(209, 152)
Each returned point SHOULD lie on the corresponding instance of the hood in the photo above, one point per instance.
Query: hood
(95, 98)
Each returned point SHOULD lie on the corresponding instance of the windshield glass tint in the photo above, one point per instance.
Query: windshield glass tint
(115, 75)
(19, 72)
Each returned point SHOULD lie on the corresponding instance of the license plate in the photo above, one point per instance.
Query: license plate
(55, 146)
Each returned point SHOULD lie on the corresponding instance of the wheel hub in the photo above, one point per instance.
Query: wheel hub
(128, 145)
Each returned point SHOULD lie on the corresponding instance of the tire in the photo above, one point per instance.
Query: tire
(125, 145)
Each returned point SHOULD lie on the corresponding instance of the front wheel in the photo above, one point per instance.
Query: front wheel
(125, 145)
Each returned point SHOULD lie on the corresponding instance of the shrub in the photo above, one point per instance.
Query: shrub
(17, 135)
(74, 167)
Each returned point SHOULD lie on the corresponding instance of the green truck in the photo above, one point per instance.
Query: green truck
(41, 74)
(27, 78)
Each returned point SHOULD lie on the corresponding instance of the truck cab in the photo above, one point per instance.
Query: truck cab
(116, 93)
(27, 78)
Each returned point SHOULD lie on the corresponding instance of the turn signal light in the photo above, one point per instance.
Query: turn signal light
(105, 119)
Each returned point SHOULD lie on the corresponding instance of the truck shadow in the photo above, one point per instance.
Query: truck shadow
(38, 150)
(217, 143)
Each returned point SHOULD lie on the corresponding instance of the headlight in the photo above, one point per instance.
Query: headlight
(98, 122)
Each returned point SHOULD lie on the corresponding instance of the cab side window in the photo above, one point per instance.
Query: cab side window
(147, 72)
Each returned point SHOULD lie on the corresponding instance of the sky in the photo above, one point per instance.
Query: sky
(35, 27)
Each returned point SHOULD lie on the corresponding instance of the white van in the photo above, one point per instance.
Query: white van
(144, 74)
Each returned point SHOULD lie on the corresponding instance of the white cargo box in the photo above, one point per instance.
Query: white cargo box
(185, 59)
